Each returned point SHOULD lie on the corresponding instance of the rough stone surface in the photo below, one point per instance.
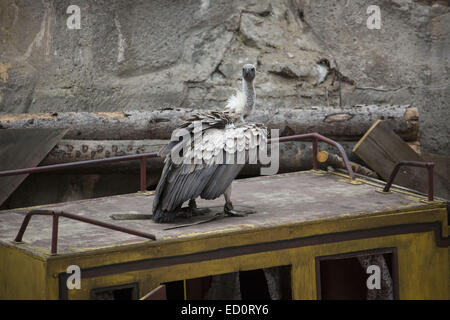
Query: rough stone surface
(406, 61)
(144, 55)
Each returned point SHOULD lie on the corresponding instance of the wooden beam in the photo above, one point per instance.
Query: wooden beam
(380, 148)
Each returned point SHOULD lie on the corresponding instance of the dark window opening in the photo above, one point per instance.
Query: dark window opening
(269, 283)
(123, 292)
(343, 277)
(175, 290)
(253, 285)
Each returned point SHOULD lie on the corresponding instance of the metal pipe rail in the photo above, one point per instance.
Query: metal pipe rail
(428, 165)
(315, 138)
(89, 163)
(143, 156)
(57, 214)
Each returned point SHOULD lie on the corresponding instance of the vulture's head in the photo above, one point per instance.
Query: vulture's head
(249, 72)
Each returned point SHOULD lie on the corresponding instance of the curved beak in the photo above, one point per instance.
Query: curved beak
(248, 74)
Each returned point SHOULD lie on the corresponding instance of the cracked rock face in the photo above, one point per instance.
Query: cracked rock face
(155, 54)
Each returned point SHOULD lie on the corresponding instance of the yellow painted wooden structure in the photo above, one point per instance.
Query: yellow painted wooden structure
(316, 214)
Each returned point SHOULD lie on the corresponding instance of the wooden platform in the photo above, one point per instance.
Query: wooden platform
(302, 198)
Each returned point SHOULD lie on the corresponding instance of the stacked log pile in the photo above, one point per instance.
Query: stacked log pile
(109, 134)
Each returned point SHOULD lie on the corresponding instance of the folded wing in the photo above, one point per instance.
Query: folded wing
(212, 151)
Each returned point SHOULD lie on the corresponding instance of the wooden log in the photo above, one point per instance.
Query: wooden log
(294, 156)
(81, 150)
(339, 123)
(336, 161)
(381, 149)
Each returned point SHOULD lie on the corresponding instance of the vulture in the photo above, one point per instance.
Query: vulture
(214, 147)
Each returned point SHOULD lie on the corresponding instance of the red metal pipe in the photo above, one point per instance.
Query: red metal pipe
(57, 214)
(314, 149)
(316, 136)
(431, 183)
(87, 163)
(143, 174)
(428, 165)
(54, 234)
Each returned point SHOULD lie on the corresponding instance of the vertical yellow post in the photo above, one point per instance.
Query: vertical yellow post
(303, 278)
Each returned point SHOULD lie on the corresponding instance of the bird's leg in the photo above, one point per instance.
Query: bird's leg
(228, 208)
(193, 210)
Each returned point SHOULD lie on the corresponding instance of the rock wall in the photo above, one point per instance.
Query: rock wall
(143, 55)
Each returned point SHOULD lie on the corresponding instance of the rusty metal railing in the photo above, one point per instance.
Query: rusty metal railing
(315, 138)
(89, 163)
(143, 156)
(428, 165)
(57, 214)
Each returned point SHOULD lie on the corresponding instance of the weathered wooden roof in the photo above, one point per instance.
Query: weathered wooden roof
(283, 199)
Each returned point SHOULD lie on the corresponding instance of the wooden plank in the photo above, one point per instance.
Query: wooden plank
(380, 148)
(24, 148)
(441, 163)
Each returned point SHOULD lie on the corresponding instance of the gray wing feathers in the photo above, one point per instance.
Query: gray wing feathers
(209, 180)
(183, 187)
(220, 181)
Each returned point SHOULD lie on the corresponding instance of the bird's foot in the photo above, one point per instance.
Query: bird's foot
(200, 211)
(164, 217)
(190, 211)
(229, 210)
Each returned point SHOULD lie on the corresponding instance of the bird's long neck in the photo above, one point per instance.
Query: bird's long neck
(249, 90)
